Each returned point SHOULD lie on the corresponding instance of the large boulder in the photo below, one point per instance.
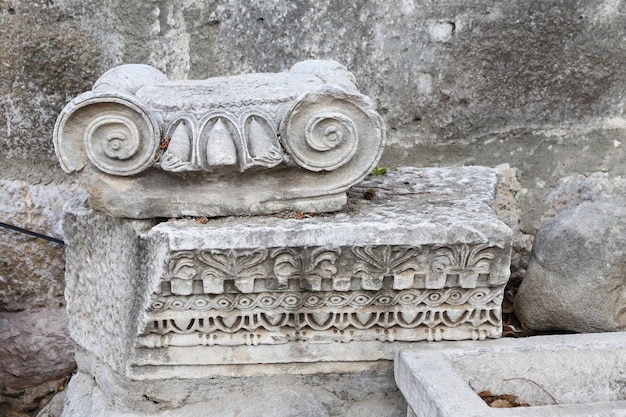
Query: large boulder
(576, 278)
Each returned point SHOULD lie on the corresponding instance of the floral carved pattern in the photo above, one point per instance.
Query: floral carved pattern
(277, 295)
(241, 266)
(182, 270)
(331, 269)
(463, 260)
(310, 266)
(377, 261)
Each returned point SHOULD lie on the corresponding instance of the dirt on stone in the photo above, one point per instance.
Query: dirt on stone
(501, 400)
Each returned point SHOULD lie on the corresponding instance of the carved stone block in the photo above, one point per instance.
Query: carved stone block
(422, 257)
(147, 147)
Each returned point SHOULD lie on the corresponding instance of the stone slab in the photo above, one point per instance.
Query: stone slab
(161, 308)
(369, 393)
(418, 254)
(585, 374)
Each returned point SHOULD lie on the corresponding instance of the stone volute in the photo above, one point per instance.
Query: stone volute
(145, 146)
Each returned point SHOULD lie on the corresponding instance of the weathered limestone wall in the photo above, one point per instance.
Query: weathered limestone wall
(539, 85)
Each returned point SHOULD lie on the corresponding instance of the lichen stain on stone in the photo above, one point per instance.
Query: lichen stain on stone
(46, 58)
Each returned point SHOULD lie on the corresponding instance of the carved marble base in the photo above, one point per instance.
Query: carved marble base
(418, 254)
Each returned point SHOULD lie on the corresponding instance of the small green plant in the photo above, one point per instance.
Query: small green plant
(381, 170)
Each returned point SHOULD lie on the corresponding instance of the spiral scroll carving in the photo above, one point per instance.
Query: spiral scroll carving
(330, 141)
(111, 137)
(111, 131)
(328, 130)
(323, 131)
(114, 144)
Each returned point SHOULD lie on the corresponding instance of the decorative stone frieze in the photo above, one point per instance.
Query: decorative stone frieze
(386, 293)
(147, 147)
(423, 257)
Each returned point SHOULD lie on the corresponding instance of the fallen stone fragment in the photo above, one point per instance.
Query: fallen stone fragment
(145, 146)
(576, 278)
(573, 375)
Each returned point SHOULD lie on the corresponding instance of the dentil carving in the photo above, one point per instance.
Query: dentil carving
(388, 292)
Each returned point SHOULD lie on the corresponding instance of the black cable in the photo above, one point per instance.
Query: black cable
(30, 232)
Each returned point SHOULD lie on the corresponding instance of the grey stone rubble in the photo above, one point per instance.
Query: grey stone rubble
(558, 376)
(35, 347)
(147, 147)
(417, 254)
(576, 278)
(595, 187)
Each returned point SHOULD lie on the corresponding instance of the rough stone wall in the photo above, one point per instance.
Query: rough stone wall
(35, 347)
(538, 85)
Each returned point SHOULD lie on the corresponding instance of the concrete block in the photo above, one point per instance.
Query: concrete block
(561, 375)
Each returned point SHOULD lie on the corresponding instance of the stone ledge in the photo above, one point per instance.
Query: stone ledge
(98, 391)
